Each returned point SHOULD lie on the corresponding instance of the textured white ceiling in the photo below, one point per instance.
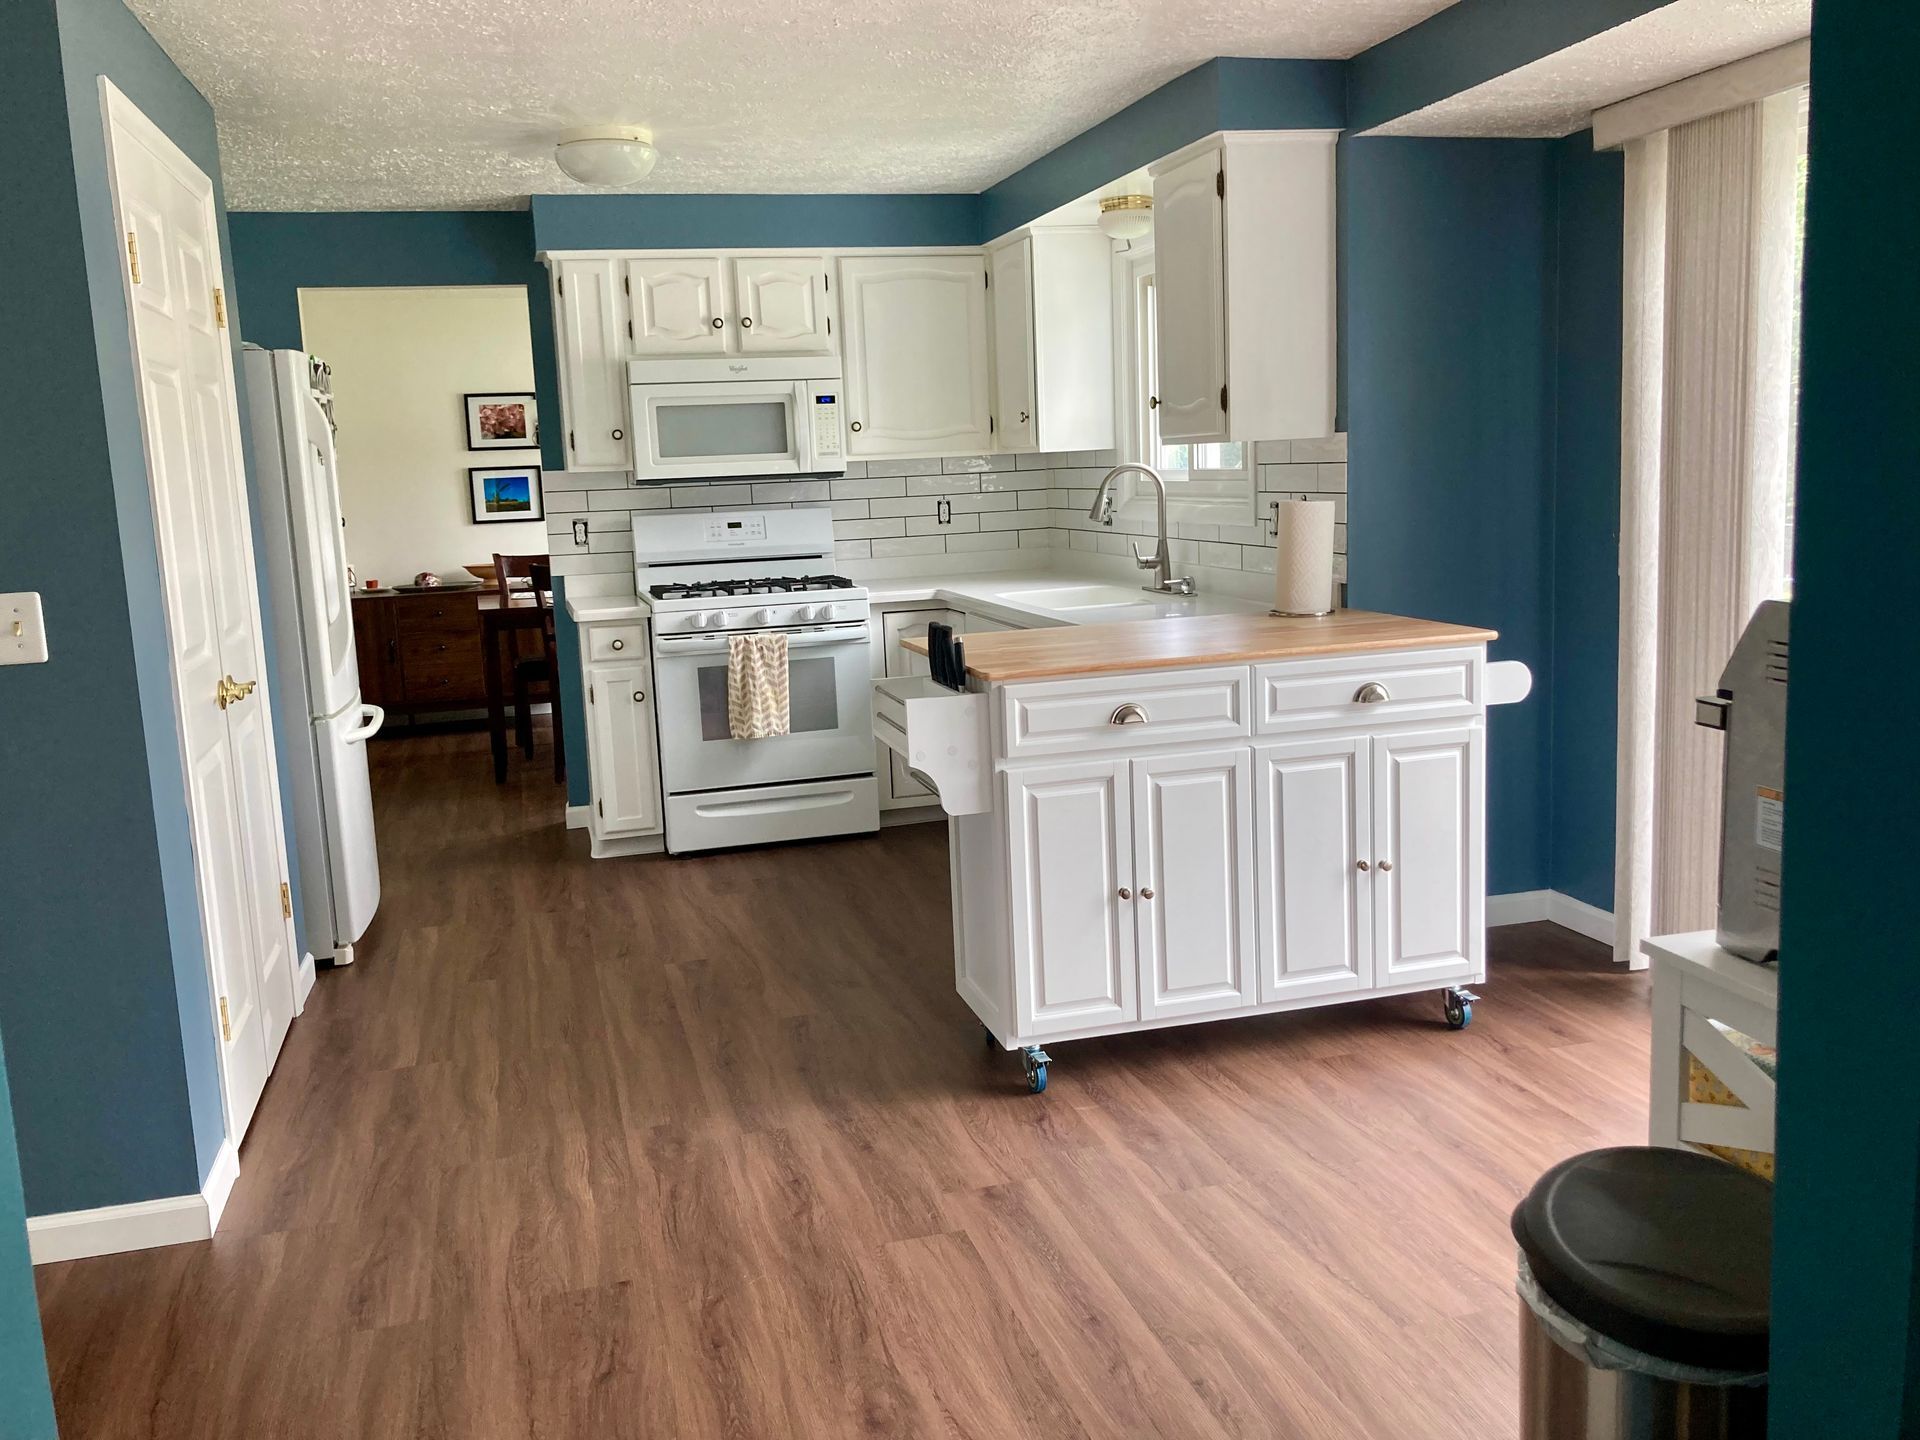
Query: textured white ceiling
(1558, 95)
(454, 104)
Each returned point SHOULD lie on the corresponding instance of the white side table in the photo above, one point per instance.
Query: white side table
(1695, 982)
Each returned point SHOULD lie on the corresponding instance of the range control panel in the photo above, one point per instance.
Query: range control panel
(736, 529)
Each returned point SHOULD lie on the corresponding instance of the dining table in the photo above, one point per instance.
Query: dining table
(520, 611)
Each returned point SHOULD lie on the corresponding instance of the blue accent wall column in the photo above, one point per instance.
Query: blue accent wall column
(1447, 263)
(1846, 1290)
(1584, 702)
(26, 1404)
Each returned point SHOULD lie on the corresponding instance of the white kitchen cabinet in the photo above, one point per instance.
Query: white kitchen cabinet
(1194, 860)
(678, 305)
(1314, 825)
(781, 305)
(590, 317)
(1053, 356)
(897, 784)
(1244, 287)
(915, 350)
(623, 758)
(1429, 882)
(1070, 857)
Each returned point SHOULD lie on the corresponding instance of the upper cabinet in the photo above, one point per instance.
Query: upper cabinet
(746, 305)
(1243, 239)
(915, 345)
(781, 305)
(678, 304)
(589, 314)
(1053, 356)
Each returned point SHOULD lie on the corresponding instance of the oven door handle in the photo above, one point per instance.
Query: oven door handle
(668, 646)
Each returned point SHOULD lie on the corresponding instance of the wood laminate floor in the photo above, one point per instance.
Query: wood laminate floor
(689, 1148)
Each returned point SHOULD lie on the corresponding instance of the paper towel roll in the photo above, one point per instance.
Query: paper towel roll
(1303, 557)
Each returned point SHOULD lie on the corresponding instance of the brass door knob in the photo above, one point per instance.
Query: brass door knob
(231, 692)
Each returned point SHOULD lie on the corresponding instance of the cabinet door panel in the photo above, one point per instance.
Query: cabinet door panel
(895, 627)
(675, 304)
(1014, 372)
(1314, 826)
(1070, 853)
(1429, 888)
(593, 372)
(1189, 287)
(781, 305)
(916, 354)
(626, 786)
(1193, 847)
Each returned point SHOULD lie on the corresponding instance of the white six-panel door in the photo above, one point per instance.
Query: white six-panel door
(1070, 853)
(1429, 885)
(1313, 827)
(780, 305)
(203, 531)
(593, 378)
(1194, 860)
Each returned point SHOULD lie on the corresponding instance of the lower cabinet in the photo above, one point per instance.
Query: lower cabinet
(1191, 882)
(897, 785)
(623, 754)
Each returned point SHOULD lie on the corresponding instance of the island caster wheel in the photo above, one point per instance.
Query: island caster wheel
(1459, 1007)
(1036, 1061)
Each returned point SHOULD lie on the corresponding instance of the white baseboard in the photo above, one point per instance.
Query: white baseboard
(111, 1229)
(577, 816)
(912, 815)
(219, 1183)
(303, 977)
(1522, 906)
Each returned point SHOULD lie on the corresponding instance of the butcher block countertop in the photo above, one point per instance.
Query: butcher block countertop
(1005, 655)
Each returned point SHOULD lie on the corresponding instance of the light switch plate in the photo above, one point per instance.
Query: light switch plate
(23, 629)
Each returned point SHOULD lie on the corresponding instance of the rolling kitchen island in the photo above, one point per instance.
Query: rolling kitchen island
(1172, 821)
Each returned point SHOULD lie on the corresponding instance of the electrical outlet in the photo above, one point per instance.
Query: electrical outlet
(23, 629)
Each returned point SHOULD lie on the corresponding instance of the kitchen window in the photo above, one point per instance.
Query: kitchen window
(1206, 484)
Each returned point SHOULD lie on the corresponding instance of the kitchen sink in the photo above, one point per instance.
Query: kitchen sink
(1078, 597)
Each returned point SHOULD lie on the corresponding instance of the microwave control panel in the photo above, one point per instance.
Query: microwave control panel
(826, 425)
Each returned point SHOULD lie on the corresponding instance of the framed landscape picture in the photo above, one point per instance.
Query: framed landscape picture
(506, 492)
(502, 422)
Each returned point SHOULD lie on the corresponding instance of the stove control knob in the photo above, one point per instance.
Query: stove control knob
(763, 616)
(700, 620)
(725, 619)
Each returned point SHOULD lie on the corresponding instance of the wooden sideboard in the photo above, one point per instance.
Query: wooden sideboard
(420, 653)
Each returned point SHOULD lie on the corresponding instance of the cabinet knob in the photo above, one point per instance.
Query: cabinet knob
(619, 644)
(746, 322)
(1125, 894)
(619, 434)
(1371, 693)
(718, 322)
(1386, 865)
(1146, 894)
(1362, 865)
(856, 426)
(639, 696)
(1128, 714)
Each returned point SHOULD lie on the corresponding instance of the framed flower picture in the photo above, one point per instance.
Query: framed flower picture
(507, 492)
(502, 422)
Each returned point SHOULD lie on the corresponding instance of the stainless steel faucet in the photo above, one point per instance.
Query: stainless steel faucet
(1165, 582)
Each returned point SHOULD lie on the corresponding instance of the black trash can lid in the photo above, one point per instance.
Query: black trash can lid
(1665, 1251)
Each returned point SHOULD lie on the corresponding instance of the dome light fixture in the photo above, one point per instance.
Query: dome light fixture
(609, 155)
(1126, 217)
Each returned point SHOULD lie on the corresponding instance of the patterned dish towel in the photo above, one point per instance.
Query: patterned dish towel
(757, 686)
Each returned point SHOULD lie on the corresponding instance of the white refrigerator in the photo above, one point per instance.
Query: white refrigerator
(290, 413)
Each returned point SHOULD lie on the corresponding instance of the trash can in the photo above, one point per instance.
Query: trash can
(1644, 1298)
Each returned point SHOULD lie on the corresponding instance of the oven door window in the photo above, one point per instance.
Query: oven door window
(813, 698)
(723, 429)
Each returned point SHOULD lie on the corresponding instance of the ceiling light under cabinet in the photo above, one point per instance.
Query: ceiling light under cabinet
(614, 155)
(1126, 217)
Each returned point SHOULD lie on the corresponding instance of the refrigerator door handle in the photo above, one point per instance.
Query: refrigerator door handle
(372, 717)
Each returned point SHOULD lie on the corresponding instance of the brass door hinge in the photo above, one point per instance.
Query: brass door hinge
(226, 1026)
(133, 257)
(219, 308)
(286, 902)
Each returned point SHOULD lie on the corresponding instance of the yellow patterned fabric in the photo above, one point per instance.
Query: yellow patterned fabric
(757, 686)
(1706, 1088)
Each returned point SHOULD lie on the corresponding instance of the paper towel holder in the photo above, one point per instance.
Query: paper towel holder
(1273, 528)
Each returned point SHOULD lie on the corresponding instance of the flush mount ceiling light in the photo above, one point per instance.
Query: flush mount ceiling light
(616, 155)
(1126, 217)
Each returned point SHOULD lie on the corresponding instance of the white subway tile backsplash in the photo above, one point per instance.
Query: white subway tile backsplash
(943, 484)
(912, 505)
(790, 491)
(869, 529)
(933, 525)
(852, 549)
(1030, 462)
(911, 545)
(998, 500)
(1329, 447)
(958, 464)
(903, 467)
(867, 488)
(848, 509)
(1332, 477)
(983, 540)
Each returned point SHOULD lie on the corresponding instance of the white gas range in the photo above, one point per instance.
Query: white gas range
(707, 576)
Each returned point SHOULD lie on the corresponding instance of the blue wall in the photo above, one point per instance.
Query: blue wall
(1586, 518)
(1846, 1346)
(104, 997)
(1447, 259)
(26, 1406)
(671, 222)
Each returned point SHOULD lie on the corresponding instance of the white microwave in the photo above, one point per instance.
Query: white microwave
(701, 419)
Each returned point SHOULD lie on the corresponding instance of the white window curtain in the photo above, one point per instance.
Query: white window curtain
(1706, 450)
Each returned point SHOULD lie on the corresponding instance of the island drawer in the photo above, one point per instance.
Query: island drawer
(616, 642)
(1381, 688)
(1121, 712)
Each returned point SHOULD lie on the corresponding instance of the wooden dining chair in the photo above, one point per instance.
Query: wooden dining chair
(542, 669)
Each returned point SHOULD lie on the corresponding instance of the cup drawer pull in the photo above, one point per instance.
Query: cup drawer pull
(1371, 693)
(1128, 714)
